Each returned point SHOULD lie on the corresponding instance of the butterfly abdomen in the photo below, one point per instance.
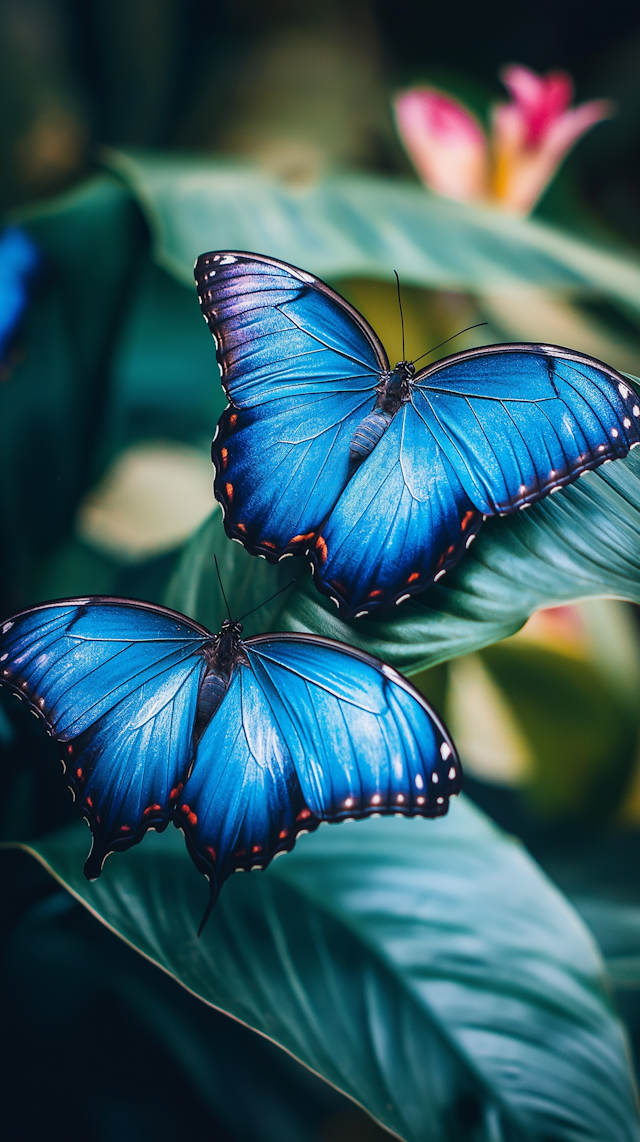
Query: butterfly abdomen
(368, 433)
(212, 690)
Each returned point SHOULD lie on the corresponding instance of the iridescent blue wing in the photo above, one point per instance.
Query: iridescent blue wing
(300, 367)
(19, 259)
(116, 682)
(518, 421)
(402, 520)
(309, 730)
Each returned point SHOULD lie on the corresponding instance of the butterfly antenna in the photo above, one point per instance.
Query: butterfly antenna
(215, 559)
(480, 323)
(244, 616)
(401, 313)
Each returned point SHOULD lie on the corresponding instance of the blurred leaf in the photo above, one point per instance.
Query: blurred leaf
(582, 543)
(359, 225)
(248, 582)
(427, 970)
(64, 974)
(164, 381)
(51, 406)
(581, 737)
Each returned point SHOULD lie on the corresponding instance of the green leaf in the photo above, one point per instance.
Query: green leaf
(248, 582)
(426, 969)
(582, 543)
(359, 225)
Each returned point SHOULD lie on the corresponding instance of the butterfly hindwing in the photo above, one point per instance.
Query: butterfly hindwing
(116, 683)
(242, 803)
(363, 740)
(300, 367)
(403, 518)
(308, 731)
(518, 421)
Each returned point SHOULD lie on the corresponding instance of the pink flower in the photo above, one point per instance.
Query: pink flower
(534, 133)
(531, 136)
(445, 142)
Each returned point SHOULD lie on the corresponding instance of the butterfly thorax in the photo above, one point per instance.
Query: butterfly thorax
(393, 390)
(227, 645)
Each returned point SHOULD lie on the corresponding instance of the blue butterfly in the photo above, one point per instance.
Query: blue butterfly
(19, 259)
(384, 476)
(243, 744)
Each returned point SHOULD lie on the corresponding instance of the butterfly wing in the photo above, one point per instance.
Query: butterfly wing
(242, 802)
(309, 730)
(116, 683)
(300, 367)
(518, 421)
(402, 520)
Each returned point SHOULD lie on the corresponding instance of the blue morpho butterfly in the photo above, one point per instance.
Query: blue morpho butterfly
(243, 744)
(384, 476)
(19, 259)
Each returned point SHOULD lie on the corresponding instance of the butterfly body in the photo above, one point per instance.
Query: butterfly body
(243, 744)
(384, 476)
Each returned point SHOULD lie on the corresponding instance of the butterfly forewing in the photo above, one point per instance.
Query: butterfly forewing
(116, 683)
(518, 421)
(300, 368)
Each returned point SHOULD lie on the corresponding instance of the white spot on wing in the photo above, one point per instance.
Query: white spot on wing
(470, 540)
(331, 596)
(359, 614)
(419, 800)
(452, 773)
(419, 781)
(439, 576)
(228, 260)
(615, 433)
(623, 390)
(6, 627)
(445, 751)
(402, 599)
(435, 778)
(627, 422)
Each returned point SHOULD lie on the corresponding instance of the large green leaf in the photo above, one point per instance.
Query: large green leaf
(359, 225)
(582, 543)
(427, 969)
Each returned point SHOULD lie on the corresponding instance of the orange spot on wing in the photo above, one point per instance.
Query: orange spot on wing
(466, 520)
(229, 490)
(257, 849)
(375, 594)
(413, 576)
(212, 852)
(265, 543)
(89, 802)
(241, 527)
(175, 792)
(79, 774)
(303, 814)
(232, 419)
(283, 834)
(302, 538)
(69, 749)
(125, 828)
(152, 809)
(224, 455)
(192, 819)
(450, 550)
(322, 548)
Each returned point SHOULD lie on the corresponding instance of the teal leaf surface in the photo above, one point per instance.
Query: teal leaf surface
(428, 970)
(359, 225)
